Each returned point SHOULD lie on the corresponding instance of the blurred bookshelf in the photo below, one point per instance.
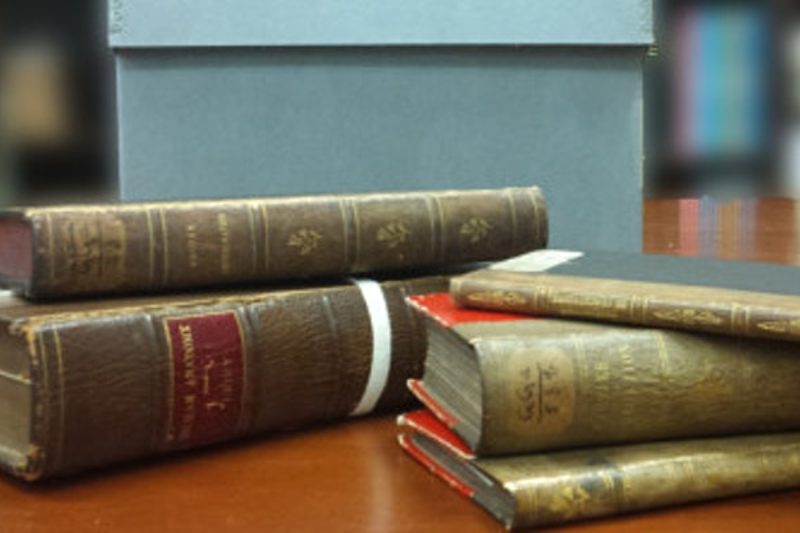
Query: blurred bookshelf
(724, 99)
(56, 109)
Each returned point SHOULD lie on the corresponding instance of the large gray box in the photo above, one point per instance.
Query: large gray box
(273, 97)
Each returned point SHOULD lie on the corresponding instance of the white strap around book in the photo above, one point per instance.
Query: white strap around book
(381, 345)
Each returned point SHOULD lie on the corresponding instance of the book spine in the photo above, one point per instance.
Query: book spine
(113, 387)
(156, 246)
(574, 486)
(595, 385)
(646, 304)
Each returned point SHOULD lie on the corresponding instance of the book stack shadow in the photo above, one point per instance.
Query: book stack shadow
(131, 330)
(563, 386)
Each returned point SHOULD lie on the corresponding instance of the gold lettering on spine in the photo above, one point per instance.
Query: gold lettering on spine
(151, 248)
(191, 246)
(164, 246)
(190, 379)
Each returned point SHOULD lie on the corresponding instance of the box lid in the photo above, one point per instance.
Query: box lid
(217, 23)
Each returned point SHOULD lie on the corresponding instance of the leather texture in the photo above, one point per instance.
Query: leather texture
(145, 247)
(117, 380)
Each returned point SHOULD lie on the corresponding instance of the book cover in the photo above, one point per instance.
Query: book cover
(509, 383)
(547, 489)
(88, 384)
(742, 299)
(99, 249)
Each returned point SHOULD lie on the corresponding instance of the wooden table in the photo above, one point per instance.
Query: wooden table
(347, 477)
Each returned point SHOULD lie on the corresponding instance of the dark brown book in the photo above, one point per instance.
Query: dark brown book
(94, 383)
(743, 299)
(547, 489)
(58, 251)
(509, 383)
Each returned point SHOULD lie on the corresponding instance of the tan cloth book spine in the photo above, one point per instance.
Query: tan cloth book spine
(58, 251)
(559, 487)
(723, 297)
(512, 384)
(89, 384)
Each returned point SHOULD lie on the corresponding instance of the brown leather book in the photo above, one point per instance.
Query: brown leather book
(743, 299)
(58, 251)
(93, 383)
(512, 384)
(555, 488)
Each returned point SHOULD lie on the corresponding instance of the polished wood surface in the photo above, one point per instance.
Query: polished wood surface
(353, 476)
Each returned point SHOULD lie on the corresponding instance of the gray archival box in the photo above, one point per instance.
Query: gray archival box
(276, 97)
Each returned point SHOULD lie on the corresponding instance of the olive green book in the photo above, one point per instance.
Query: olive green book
(738, 298)
(553, 488)
(510, 383)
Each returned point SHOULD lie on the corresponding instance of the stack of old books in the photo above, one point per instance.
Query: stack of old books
(563, 386)
(94, 371)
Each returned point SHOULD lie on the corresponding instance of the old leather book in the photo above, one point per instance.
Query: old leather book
(745, 299)
(59, 251)
(511, 383)
(554, 488)
(99, 382)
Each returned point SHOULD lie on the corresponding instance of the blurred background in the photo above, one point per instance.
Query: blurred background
(56, 102)
(725, 99)
(723, 108)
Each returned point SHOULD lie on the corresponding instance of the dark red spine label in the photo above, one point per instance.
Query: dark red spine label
(207, 353)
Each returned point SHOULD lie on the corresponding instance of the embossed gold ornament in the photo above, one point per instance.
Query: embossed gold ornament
(689, 317)
(780, 326)
(393, 235)
(571, 502)
(475, 229)
(496, 298)
(305, 240)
